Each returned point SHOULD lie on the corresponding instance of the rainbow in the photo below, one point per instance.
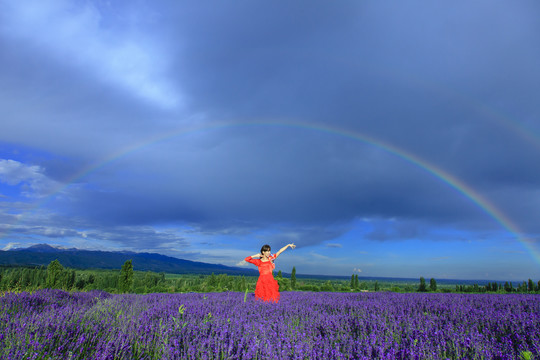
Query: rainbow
(462, 188)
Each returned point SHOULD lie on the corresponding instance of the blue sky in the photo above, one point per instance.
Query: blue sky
(384, 139)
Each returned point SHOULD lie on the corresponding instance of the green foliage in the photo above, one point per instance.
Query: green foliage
(422, 287)
(125, 280)
(212, 281)
(284, 283)
(14, 278)
(207, 318)
(309, 287)
(327, 286)
(432, 285)
(293, 278)
(54, 274)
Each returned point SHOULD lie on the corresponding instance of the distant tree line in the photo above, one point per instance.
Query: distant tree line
(13, 278)
(128, 280)
(491, 287)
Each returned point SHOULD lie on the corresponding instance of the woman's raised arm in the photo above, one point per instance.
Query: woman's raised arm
(292, 246)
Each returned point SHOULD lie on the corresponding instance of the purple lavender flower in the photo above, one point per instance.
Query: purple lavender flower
(98, 325)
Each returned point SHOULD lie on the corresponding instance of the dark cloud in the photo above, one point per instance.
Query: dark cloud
(272, 180)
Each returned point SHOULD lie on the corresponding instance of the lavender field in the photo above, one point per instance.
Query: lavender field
(53, 324)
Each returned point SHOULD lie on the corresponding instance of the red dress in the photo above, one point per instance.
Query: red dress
(267, 288)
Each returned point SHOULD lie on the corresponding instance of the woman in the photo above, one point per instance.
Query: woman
(267, 288)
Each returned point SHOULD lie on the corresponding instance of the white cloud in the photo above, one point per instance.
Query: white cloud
(319, 256)
(74, 32)
(334, 245)
(229, 257)
(14, 173)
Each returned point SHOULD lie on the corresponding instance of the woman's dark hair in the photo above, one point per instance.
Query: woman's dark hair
(265, 248)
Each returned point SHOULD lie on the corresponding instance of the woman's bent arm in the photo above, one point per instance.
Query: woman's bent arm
(250, 259)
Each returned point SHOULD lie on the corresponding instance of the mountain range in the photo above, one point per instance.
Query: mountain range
(43, 254)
